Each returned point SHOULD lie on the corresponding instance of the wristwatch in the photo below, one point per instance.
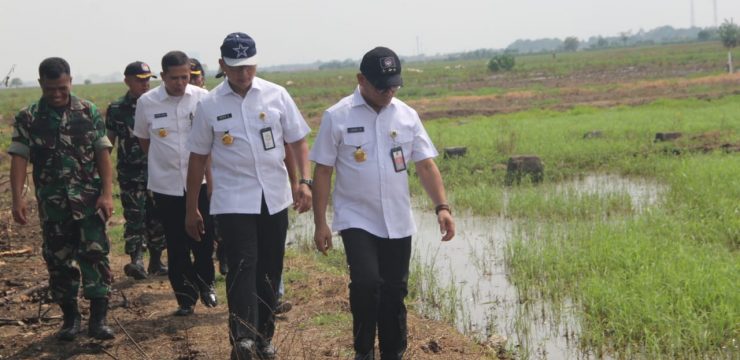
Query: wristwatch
(308, 182)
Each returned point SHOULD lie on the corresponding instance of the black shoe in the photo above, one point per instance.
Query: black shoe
(184, 311)
(208, 296)
(156, 268)
(283, 307)
(135, 271)
(96, 325)
(72, 319)
(266, 351)
(244, 349)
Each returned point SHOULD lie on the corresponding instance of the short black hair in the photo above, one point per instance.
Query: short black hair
(174, 58)
(53, 68)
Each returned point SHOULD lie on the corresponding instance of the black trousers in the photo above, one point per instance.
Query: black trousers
(254, 246)
(379, 273)
(188, 276)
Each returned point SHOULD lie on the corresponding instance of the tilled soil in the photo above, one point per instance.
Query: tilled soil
(141, 315)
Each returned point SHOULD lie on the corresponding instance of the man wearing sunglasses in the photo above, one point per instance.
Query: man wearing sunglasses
(368, 137)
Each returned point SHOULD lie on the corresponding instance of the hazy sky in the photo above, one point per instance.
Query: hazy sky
(102, 36)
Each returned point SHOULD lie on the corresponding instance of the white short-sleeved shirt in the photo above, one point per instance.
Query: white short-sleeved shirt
(371, 195)
(258, 127)
(166, 121)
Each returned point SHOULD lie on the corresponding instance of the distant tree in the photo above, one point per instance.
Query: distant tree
(16, 82)
(625, 36)
(571, 43)
(336, 64)
(88, 81)
(705, 35)
(601, 42)
(501, 62)
(729, 34)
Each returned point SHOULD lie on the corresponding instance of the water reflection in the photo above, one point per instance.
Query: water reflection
(473, 267)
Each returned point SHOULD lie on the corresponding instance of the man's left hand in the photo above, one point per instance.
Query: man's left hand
(105, 203)
(446, 225)
(302, 198)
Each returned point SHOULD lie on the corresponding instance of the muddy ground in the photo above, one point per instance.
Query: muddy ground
(317, 327)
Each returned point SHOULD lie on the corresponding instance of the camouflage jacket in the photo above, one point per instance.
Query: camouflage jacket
(61, 146)
(131, 165)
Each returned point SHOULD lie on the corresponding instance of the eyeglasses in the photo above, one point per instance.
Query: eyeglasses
(392, 89)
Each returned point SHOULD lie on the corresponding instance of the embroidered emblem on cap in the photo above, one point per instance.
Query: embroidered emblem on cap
(387, 64)
(145, 67)
(241, 51)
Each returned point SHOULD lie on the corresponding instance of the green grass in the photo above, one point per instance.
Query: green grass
(662, 283)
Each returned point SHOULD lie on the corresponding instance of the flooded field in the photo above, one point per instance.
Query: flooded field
(467, 280)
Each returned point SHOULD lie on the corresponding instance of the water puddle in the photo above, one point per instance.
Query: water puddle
(470, 272)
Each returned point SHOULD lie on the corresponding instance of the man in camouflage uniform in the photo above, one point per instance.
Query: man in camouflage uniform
(63, 136)
(143, 229)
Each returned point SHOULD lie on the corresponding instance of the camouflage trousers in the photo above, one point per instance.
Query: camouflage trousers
(143, 227)
(85, 242)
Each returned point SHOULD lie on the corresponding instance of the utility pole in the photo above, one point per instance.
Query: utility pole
(715, 14)
(692, 14)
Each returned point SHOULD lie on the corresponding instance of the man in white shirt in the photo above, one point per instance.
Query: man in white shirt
(164, 117)
(244, 124)
(368, 137)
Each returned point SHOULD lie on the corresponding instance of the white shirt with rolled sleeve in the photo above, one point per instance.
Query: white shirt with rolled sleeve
(246, 168)
(166, 121)
(371, 194)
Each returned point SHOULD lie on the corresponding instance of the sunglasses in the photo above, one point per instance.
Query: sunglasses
(392, 89)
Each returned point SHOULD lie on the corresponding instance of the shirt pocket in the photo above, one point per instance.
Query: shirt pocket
(42, 136)
(163, 126)
(268, 118)
(230, 127)
(355, 146)
(406, 142)
(81, 131)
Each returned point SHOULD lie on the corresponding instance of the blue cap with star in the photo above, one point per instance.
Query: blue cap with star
(239, 49)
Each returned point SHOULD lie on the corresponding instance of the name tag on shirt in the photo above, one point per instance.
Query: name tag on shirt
(268, 142)
(223, 117)
(399, 163)
(358, 129)
(160, 115)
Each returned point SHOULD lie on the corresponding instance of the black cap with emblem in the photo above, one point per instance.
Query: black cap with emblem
(382, 67)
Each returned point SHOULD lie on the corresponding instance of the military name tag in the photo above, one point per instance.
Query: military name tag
(399, 163)
(160, 115)
(268, 142)
(223, 117)
(358, 129)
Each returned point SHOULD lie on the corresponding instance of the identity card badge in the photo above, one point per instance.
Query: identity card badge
(399, 163)
(268, 142)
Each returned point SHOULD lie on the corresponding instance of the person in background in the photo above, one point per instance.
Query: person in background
(163, 121)
(243, 125)
(370, 137)
(197, 74)
(142, 230)
(63, 136)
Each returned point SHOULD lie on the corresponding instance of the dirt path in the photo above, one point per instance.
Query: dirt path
(318, 326)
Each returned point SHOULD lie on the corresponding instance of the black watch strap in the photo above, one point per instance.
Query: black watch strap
(308, 182)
